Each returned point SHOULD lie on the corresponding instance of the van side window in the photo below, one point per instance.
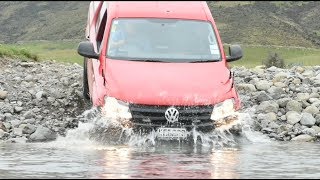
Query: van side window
(102, 21)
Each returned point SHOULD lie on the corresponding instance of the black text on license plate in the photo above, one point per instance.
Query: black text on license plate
(171, 133)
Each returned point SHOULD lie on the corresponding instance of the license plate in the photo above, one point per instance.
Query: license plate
(171, 133)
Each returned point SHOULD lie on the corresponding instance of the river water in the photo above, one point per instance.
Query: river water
(250, 155)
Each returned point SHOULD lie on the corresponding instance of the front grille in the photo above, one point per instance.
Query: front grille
(150, 115)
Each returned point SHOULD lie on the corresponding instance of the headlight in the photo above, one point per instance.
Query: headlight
(116, 109)
(223, 109)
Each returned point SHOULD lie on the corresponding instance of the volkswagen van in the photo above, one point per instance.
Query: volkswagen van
(158, 65)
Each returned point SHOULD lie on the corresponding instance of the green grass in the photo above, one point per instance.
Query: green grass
(232, 3)
(66, 52)
(254, 55)
(14, 52)
(60, 51)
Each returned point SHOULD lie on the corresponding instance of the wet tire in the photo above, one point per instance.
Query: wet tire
(85, 81)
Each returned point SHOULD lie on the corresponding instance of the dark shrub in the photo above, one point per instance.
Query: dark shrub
(274, 60)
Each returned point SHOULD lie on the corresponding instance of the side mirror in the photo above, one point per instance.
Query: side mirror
(235, 53)
(86, 49)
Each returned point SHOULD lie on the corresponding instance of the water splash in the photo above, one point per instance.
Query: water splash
(96, 130)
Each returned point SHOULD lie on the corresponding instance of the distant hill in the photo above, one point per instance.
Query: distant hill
(285, 23)
(42, 20)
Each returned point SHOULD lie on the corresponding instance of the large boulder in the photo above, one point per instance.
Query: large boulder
(267, 106)
(307, 119)
(303, 138)
(293, 117)
(294, 105)
(43, 134)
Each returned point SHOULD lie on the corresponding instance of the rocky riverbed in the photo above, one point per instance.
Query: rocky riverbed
(39, 101)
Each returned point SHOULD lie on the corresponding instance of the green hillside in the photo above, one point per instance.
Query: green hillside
(286, 23)
(42, 20)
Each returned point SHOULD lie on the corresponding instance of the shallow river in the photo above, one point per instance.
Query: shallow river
(251, 155)
(67, 158)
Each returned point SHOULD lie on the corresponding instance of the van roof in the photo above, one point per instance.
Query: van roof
(159, 9)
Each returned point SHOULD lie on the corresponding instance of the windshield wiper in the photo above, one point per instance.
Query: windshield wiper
(201, 61)
(148, 60)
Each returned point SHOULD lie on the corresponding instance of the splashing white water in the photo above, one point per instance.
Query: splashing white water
(100, 130)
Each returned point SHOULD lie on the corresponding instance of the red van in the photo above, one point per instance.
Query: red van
(158, 65)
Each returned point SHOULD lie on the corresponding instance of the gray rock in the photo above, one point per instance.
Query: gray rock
(3, 127)
(263, 96)
(273, 125)
(275, 92)
(65, 81)
(296, 81)
(29, 114)
(294, 105)
(272, 69)
(17, 131)
(309, 131)
(50, 99)
(30, 121)
(2, 133)
(303, 96)
(39, 95)
(271, 116)
(267, 130)
(279, 84)
(42, 134)
(313, 100)
(18, 140)
(28, 78)
(307, 119)
(263, 85)
(303, 138)
(316, 129)
(18, 109)
(7, 125)
(8, 116)
(28, 129)
(3, 94)
(36, 110)
(317, 117)
(15, 123)
(267, 106)
(308, 73)
(283, 102)
(314, 95)
(280, 77)
(293, 117)
(283, 118)
(305, 104)
(311, 109)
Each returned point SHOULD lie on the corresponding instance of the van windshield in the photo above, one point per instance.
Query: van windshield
(163, 40)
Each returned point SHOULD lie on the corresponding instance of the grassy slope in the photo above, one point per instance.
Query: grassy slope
(62, 51)
(254, 55)
(245, 22)
(66, 51)
(46, 20)
(19, 53)
(264, 23)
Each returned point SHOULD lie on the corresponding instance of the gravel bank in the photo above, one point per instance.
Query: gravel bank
(39, 101)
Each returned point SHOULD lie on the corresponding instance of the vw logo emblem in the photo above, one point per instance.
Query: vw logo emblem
(172, 114)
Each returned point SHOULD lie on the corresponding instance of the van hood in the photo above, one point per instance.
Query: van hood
(168, 83)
